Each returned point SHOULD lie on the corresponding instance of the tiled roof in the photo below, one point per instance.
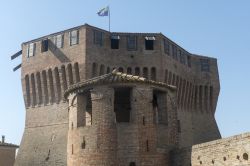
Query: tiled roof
(115, 77)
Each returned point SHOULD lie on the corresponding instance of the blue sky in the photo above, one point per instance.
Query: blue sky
(220, 29)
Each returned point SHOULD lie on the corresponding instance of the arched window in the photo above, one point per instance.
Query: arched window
(206, 98)
(196, 97)
(70, 74)
(33, 88)
(211, 97)
(58, 84)
(45, 87)
(120, 69)
(77, 73)
(183, 92)
(51, 86)
(200, 97)
(64, 80)
(166, 76)
(101, 70)
(27, 87)
(170, 78)
(137, 71)
(179, 92)
(153, 73)
(129, 70)
(108, 70)
(94, 69)
(39, 88)
(145, 72)
(173, 81)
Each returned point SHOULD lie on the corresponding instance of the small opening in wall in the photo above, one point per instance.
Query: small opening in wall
(224, 158)
(147, 145)
(72, 125)
(143, 120)
(200, 162)
(212, 161)
(132, 164)
(83, 143)
(245, 156)
(238, 157)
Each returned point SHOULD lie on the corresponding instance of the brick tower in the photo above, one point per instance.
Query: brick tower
(53, 63)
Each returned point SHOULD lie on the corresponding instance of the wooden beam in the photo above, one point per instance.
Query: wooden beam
(17, 67)
(16, 55)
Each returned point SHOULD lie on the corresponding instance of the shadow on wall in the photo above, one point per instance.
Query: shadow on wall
(181, 157)
(58, 53)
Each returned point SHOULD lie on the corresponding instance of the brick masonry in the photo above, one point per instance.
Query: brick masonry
(46, 76)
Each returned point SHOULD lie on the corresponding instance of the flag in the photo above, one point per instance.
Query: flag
(104, 12)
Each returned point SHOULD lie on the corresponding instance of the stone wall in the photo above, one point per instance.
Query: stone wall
(232, 151)
(7, 155)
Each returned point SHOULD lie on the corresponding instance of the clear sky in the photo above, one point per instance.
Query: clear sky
(219, 29)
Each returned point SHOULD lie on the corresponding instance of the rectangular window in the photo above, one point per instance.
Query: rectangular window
(174, 52)
(122, 104)
(182, 57)
(98, 38)
(74, 37)
(45, 45)
(131, 42)
(31, 50)
(149, 43)
(205, 65)
(58, 41)
(166, 46)
(115, 41)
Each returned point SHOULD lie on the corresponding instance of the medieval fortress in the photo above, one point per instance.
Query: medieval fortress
(99, 98)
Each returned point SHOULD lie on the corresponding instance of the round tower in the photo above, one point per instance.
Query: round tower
(120, 119)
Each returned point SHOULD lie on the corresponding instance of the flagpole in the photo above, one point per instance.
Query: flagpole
(109, 19)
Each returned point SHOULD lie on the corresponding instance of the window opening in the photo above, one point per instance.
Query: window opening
(31, 49)
(98, 38)
(205, 65)
(115, 42)
(45, 45)
(122, 104)
(149, 43)
(74, 37)
(137, 71)
(131, 42)
(166, 46)
(174, 52)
